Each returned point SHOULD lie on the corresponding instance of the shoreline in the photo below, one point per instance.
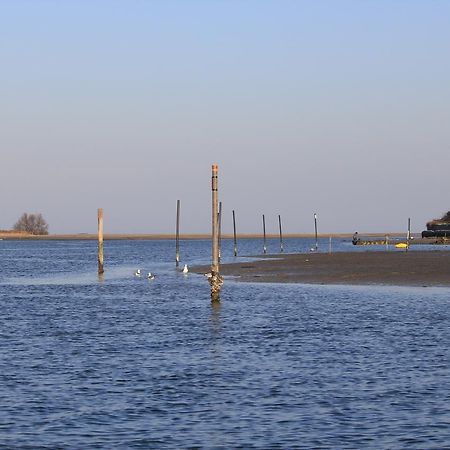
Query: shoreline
(392, 268)
(185, 236)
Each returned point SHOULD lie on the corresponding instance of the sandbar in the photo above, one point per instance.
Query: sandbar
(395, 268)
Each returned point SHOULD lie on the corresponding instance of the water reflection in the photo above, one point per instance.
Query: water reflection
(215, 317)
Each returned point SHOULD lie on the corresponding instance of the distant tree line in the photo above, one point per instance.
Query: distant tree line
(31, 223)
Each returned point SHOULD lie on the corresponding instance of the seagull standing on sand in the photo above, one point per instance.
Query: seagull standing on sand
(137, 273)
(185, 269)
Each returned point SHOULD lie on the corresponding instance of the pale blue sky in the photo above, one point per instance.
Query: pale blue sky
(335, 107)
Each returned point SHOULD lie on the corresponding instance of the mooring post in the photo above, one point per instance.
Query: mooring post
(100, 241)
(219, 218)
(281, 234)
(408, 234)
(315, 230)
(234, 234)
(177, 237)
(264, 234)
(215, 280)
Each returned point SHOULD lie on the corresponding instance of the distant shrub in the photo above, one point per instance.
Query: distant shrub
(31, 223)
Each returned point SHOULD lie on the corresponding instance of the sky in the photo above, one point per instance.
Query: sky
(339, 107)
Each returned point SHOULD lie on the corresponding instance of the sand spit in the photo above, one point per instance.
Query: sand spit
(397, 268)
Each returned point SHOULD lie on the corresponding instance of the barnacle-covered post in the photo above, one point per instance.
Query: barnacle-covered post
(215, 280)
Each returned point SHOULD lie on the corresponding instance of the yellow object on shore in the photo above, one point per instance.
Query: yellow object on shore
(401, 245)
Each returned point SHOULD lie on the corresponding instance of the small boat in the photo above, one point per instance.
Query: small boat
(401, 245)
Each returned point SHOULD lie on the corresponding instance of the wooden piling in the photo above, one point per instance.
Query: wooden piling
(408, 234)
(234, 234)
(177, 237)
(264, 234)
(215, 280)
(100, 241)
(281, 234)
(315, 231)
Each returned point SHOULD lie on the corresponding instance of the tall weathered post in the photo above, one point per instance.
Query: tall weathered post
(100, 241)
(234, 234)
(408, 234)
(264, 235)
(315, 230)
(177, 237)
(215, 280)
(281, 234)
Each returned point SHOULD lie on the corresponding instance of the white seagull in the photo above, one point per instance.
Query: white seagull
(185, 269)
(137, 273)
(150, 276)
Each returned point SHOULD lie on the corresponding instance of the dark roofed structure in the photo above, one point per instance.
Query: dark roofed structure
(438, 227)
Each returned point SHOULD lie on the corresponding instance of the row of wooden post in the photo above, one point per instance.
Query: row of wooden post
(177, 236)
(215, 279)
(216, 231)
(216, 247)
(264, 234)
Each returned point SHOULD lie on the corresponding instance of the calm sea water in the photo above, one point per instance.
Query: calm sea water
(131, 363)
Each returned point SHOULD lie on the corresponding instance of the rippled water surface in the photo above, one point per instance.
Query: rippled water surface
(131, 363)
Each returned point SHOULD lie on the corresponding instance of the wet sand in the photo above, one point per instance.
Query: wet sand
(396, 268)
